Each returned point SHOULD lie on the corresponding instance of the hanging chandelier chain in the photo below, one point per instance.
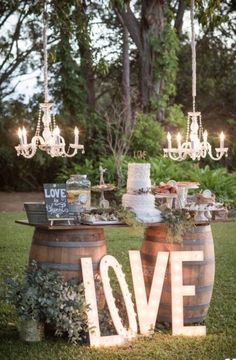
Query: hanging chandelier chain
(47, 134)
(196, 144)
(193, 42)
(45, 50)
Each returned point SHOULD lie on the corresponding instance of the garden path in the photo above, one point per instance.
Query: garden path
(14, 201)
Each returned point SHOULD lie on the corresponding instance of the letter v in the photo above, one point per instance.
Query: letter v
(147, 310)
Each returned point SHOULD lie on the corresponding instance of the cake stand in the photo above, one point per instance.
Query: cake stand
(169, 198)
(182, 192)
(103, 203)
(203, 212)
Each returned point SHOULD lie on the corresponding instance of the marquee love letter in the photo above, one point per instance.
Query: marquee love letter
(147, 309)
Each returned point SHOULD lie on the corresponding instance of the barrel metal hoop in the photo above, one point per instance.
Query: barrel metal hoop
(152, 259)
(187, 320)
(198, 289)
(152, 239)
(65, 267)
(69, 244)
(188, 307)
(72, 237)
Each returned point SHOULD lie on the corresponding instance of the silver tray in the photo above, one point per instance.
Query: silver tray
(100, 222)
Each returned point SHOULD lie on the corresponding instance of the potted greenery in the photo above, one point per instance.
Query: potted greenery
(24, 295)
(42, 296)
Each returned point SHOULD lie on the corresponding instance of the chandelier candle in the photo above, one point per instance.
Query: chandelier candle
(178, 138)
(76, 132)
(169, 140)
(56, 135)
(20, 136)
(222, 138)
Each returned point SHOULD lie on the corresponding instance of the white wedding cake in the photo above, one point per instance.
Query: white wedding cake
(138, 196)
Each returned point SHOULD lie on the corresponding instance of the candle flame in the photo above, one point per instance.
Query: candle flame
(19, 132)
(24, 132)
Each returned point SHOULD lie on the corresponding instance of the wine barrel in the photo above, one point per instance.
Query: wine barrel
(62, 249)
(198, 273)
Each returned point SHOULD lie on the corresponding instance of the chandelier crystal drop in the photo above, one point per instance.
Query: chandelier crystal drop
(196, 145)
(50, 139)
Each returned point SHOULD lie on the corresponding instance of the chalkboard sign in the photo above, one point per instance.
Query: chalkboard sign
(56, 202)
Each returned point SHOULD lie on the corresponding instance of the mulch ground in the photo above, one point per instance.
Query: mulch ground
(14, 201)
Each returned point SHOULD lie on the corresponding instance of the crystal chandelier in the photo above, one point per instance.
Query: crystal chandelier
(50, 139)
(196, 145)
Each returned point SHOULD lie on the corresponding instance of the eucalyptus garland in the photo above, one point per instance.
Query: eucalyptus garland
(178, 221)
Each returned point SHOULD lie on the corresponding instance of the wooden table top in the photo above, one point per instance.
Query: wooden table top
(58, 226)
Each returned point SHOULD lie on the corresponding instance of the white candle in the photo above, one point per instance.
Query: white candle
(20, 136)
(178, 138)
(205, 136)
(222, 138)
(76, 132)
(56, 134)
(169, 140)
(24, 135)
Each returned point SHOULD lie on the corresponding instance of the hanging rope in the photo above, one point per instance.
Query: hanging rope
(193, 55)
(45, 51)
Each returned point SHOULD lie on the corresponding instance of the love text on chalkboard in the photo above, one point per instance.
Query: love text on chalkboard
(56, 202)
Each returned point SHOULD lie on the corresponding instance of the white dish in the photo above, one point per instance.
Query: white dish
(207, 193)
(172, 183)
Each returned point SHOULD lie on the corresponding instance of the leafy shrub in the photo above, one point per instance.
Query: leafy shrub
(220, 182)
(86, 167)
(148, 135)
(175, 117)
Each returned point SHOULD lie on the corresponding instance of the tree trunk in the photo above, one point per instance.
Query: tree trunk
(152, 28)
(83, 39)
(120, 177)
(144, 35)
(126, 80)
(179, 17)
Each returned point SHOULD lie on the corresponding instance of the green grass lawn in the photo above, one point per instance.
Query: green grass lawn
(220, 342)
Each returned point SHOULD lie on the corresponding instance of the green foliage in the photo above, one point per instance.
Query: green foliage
(220, 182)
(43, 295)
(166, 65)
(178, 222)
(148, 135)
(128, 217)
(84, 168)
(24, 295)
(216, 83)
(175, 117)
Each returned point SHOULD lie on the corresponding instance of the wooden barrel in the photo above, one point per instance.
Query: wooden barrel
(62, 249)
(198, 273)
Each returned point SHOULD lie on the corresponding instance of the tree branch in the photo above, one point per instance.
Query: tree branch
(132, 24)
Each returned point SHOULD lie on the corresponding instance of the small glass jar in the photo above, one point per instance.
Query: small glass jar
(78, 189)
